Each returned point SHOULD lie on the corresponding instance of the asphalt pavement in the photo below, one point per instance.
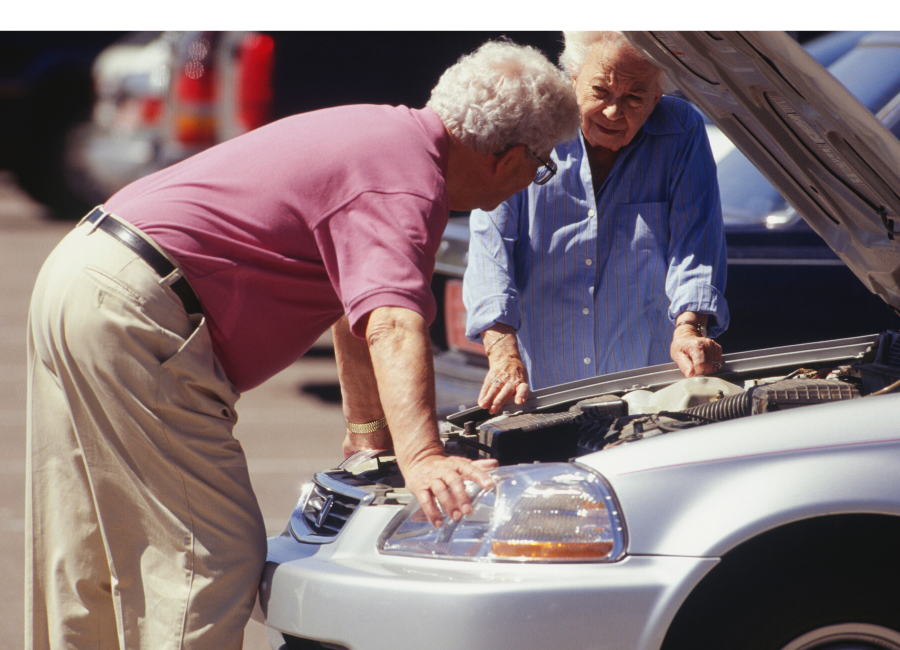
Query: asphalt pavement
(289, 427)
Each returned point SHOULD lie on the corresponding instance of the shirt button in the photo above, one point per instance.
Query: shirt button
(590, 213)
(586, 361)
(585, 311)
(588, 261)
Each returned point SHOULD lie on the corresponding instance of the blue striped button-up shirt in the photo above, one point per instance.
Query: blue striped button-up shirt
(593, 282)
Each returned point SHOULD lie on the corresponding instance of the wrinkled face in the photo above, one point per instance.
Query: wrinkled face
(616, 91)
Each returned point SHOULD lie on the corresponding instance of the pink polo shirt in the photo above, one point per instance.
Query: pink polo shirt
(284, 229)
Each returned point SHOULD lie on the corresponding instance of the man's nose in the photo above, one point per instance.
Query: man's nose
(612, 110)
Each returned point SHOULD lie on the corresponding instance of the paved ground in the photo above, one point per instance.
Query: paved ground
(286, 431)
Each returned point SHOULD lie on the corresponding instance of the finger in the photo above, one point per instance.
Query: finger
(476, 471)
(502, 397)
(485, 388)
(697, 355)
(449, 497)
(489, 390)
(462, 505)
(426, 501)
(522, 392)
(486, 464)
(684, 364)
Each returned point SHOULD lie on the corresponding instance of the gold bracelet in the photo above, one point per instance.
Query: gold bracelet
(368, 427)
(496, 341)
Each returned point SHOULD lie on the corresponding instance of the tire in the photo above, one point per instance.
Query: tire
(849, 636)
(297, 643)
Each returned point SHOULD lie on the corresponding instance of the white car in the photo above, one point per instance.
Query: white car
(755, 509)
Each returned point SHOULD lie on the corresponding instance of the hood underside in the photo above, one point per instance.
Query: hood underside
(836, 164)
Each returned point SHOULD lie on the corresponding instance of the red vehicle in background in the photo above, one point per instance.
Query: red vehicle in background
(162, 97)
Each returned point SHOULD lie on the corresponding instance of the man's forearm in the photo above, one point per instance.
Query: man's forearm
(400, 350)
(358, 385)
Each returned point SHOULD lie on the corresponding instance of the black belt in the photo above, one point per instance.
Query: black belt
(153, 257)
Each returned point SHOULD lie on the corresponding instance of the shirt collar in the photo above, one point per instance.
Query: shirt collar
(661, 121)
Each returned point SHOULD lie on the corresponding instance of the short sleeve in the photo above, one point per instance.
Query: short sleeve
(379, 251)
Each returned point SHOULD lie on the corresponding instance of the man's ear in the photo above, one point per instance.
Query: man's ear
(507, 160)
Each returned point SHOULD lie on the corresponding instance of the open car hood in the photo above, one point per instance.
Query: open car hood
(836, 164)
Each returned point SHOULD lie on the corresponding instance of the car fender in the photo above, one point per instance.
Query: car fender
(702, 492)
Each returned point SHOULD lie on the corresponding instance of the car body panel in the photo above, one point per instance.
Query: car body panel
(703, 491)
(315, 592)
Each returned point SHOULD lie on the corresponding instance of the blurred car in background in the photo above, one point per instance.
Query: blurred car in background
(164, 96)
(45, 93)
(780, 272)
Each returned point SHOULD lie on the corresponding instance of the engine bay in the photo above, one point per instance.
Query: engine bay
(569, 429)
(612, 419)
(559, 428)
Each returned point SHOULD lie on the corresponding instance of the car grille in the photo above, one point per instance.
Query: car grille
(326, 507)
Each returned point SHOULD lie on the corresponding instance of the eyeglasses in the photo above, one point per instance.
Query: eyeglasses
(545, 172)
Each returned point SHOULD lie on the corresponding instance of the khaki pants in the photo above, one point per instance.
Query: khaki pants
(142, 530)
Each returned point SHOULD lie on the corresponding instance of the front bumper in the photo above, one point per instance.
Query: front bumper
(346, 594)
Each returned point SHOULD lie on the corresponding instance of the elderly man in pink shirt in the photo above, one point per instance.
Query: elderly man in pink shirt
(203, 280)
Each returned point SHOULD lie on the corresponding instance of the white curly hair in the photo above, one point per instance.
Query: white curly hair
(578, 44)
(503, 95)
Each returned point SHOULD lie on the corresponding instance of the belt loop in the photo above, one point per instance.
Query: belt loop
(95, 224)
(174, 276)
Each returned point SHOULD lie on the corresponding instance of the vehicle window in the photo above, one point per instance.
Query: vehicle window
(871, 73)
(747, 197)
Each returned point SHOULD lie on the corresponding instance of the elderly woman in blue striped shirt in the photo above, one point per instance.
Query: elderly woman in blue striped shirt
(615, 257)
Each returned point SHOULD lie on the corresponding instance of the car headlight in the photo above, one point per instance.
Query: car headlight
(553, 512)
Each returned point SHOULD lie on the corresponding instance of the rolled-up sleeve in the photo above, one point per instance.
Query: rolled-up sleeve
(489, 291)
(697, 254)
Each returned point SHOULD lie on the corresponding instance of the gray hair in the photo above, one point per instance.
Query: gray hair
(503, 95)
(578, 44)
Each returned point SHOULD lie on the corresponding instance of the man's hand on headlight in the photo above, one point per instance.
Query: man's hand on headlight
(400, 363)
(435, 478)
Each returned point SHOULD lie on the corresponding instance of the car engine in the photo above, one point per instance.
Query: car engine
(610, 420)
